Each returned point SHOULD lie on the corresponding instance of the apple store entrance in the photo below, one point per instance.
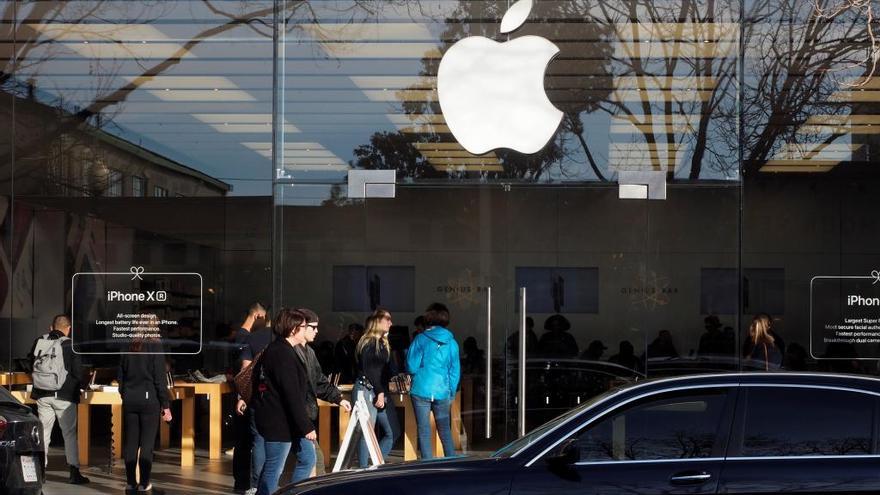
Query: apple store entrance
(600, 279)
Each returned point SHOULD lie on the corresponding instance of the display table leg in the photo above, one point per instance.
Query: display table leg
(116, 433)
(83, 432)
(215, 406)
(164, 435)
(455, 422)
(187, 432)
(410, 432)
(324, 432)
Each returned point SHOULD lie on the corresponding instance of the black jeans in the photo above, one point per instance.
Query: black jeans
(141, 427)
(241, 457)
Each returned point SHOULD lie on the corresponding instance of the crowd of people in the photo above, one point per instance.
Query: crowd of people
(281, 379)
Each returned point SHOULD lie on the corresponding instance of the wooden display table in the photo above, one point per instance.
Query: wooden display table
(410, 431)
(213, 392)
(8, 379)
(114, 400)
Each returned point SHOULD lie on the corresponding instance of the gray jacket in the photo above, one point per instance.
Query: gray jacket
(319, 386)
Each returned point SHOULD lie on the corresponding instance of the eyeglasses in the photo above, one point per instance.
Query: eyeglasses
(313, 326)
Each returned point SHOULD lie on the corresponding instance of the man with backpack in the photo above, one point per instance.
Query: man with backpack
(56, 374)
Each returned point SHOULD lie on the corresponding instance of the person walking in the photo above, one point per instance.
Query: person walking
(57, 375)
(374, 372)
(256, 342)
(433, 361)
(244, 439)
(319, 387)
(280, 381)
(145, 398)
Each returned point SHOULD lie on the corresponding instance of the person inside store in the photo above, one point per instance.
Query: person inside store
(145, 399)
(473, 361)
(511, 346)
(241, 454)
(594, 351)
(626, 356)
(763, 351)
(557, 342)
(280, 382)
(318, 386)
(433, 361)
(661, 347)
(374, 373)
(257, 341)
(344, 353)
(777, 339)
(53, 362)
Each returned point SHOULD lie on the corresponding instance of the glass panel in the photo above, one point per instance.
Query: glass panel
(134, 125)
(809, 123)
(769, 430)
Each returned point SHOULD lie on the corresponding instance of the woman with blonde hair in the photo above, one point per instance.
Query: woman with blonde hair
(373, 356)
(762, 344)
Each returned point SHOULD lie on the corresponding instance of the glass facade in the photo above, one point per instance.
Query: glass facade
(227, 138)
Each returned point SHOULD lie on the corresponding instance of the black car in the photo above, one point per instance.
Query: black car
(22, 454)
(733, 433)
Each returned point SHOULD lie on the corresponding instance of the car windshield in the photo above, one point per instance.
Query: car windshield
(530, 437)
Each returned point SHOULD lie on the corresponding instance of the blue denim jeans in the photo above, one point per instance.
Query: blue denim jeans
(423, 409)
(258, 453)
(276, 456)
(305, 460)
(387, 420)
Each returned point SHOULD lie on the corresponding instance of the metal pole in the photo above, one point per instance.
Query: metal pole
(521, 416)
(488, 362)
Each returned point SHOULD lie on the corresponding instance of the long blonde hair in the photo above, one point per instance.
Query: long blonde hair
(759, 330)
(373, 333)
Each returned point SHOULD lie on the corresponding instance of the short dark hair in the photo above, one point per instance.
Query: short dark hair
(437, 314)
(311, 316)
(256, 307)
(286, 321)
(60, 321)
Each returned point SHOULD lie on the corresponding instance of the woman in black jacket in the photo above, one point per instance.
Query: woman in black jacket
(144, 390)
(373, 357)
(280, 384)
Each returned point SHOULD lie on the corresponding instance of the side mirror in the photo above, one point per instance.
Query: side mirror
(568, 454)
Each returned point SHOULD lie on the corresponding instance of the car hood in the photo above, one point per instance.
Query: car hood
(411, 468)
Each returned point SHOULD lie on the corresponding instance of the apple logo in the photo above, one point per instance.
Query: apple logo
(492, 94)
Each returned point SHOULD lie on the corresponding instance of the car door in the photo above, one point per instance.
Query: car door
(802, 439)
(663, 443)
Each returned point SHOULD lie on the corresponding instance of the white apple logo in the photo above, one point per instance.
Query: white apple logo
(492, 94)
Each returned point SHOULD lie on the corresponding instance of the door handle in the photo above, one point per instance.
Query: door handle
(690, 478)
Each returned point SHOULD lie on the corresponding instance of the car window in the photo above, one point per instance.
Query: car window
(806, 421)
(671, 426)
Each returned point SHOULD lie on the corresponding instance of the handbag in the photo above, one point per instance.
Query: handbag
(244, 380)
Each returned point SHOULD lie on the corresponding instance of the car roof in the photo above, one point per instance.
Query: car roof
(658, 385)
(863, 382)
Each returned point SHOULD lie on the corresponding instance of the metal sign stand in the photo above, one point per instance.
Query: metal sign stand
(360, 417)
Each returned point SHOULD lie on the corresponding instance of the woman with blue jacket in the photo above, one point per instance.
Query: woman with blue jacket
(433, 361)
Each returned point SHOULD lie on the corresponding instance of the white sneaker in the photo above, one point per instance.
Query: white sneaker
(250, 491)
